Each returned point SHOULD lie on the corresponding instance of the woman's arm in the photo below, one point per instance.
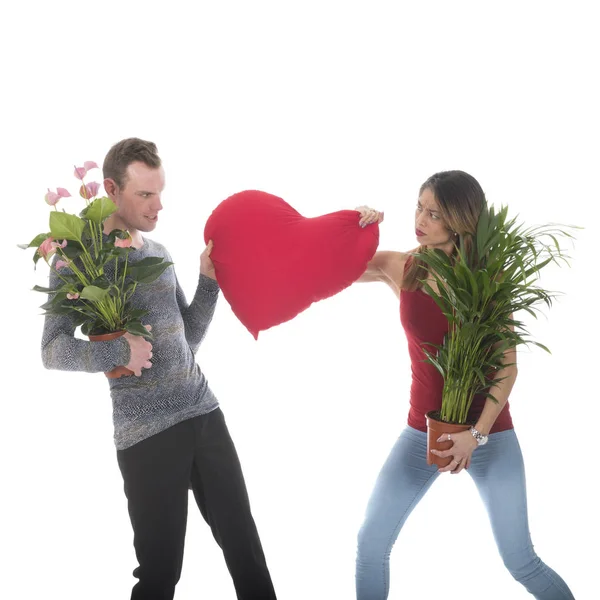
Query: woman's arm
(504, 382)
(384, 266)
(388, 267)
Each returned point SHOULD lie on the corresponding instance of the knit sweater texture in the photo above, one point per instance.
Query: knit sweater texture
(175, 388)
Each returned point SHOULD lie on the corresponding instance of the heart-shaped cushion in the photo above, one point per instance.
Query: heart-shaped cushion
(272, 263)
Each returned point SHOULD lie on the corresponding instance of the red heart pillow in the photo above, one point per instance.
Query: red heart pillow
(272, 263)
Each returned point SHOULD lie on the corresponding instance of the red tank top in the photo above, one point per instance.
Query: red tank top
(425, 324)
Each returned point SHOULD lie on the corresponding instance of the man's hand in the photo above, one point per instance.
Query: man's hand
(206, 264)
(141, 352)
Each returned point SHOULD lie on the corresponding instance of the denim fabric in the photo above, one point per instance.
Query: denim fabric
(497, 470)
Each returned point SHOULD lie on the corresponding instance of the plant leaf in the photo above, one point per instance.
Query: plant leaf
(147, 274)
(136, 328)
(93, 293)
(99, 210)
(64, 226)
(39, 288)
(35, 242)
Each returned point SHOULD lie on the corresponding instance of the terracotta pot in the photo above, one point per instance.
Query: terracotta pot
(435, 428)
(119, 371)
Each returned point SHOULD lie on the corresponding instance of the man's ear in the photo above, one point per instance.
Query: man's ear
(111, 189)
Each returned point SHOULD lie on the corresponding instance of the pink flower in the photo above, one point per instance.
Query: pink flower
(89, 190)
(61, 264)
(88, 165)
(72, 296)
(48, 247)
(80, 172)
(53, 197)
(126, 243)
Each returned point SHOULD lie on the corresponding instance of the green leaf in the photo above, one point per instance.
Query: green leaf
(99, 210)
(136, 328)
(542, 347)
(101, 282)
(72, 251)
(147, 274)
(93, 293)
(54, 301)
(35, 242)
(64, 226)
(39, 288)
(136, 313)
(147, 262)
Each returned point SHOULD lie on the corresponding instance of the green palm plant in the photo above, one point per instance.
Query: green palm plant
(480, 289)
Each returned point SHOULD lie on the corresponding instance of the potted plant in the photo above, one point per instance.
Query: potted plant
(480, 290)
(95, 278)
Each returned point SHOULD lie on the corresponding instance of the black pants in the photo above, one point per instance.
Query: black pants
(157, 474)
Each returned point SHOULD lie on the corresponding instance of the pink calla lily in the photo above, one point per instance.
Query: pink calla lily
(48, 247)
(80, 172)
(53, 197)
(126, 243)
(89, 190)
(63, 193)
(72, 296)
(61, 264)
(88, 165)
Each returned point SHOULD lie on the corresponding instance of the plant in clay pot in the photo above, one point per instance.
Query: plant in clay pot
(481, 290)
(95, 278)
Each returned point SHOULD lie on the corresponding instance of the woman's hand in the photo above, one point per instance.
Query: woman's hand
(368, 216)
(462, 449)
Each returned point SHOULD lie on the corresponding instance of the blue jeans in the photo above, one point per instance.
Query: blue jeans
(497, 470)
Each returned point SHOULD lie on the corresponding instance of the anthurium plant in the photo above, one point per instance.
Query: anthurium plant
(481, 289)
(96, 279)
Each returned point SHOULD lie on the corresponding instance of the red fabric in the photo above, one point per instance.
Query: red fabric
(272, 263)
(425, 324)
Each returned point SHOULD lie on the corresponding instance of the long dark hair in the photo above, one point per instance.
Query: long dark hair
(461, 200)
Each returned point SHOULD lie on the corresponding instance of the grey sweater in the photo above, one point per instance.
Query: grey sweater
(175, 388)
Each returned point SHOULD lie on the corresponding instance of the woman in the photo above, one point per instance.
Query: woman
(449, 204)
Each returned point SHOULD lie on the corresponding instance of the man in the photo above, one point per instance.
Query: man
(170, 433)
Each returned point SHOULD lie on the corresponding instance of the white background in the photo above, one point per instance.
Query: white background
(329, 105)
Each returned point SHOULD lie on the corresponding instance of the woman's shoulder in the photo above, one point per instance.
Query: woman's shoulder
(396, 258)
(393, 265)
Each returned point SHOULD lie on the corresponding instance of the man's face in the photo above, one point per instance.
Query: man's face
(138, 202)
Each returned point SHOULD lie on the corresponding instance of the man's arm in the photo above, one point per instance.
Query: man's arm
(62, 350)
(199, 313)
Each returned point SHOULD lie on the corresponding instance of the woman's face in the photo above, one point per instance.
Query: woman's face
(430, 228)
